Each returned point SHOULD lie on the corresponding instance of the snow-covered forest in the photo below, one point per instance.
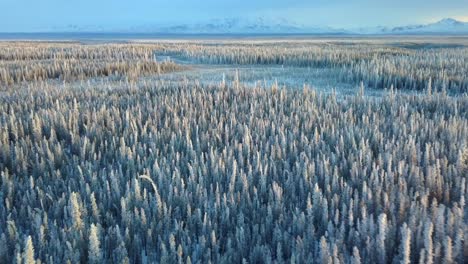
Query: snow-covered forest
(24, 62)
(101, 163)
(379, 66)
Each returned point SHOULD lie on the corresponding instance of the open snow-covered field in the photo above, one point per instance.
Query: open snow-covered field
(263, 150)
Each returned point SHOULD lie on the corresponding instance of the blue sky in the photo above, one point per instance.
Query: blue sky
(34, 15)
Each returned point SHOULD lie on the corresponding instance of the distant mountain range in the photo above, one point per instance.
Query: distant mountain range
(271, 26)
(247, 26)
(444, 26)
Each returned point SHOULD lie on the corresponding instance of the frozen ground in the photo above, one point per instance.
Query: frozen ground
(322, 79)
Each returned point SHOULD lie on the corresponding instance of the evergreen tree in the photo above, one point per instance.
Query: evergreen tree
(405, 246)
(28, 253)
(94, 251)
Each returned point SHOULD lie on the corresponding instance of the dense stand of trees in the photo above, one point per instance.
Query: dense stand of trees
(177, 173)
(180, 172)
(26, 62)
(377, 65)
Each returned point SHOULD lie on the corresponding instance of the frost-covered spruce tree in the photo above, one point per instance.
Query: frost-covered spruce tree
(75, 211)
(428, 244)
(405, 245)
(94, 245)
(382, 220)
(448, 257)
(356, 258)
(28, 253)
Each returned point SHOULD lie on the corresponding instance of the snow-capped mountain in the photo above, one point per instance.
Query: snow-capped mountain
(256, 25)
(237, 25)
(444, 26)
(261, 25)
